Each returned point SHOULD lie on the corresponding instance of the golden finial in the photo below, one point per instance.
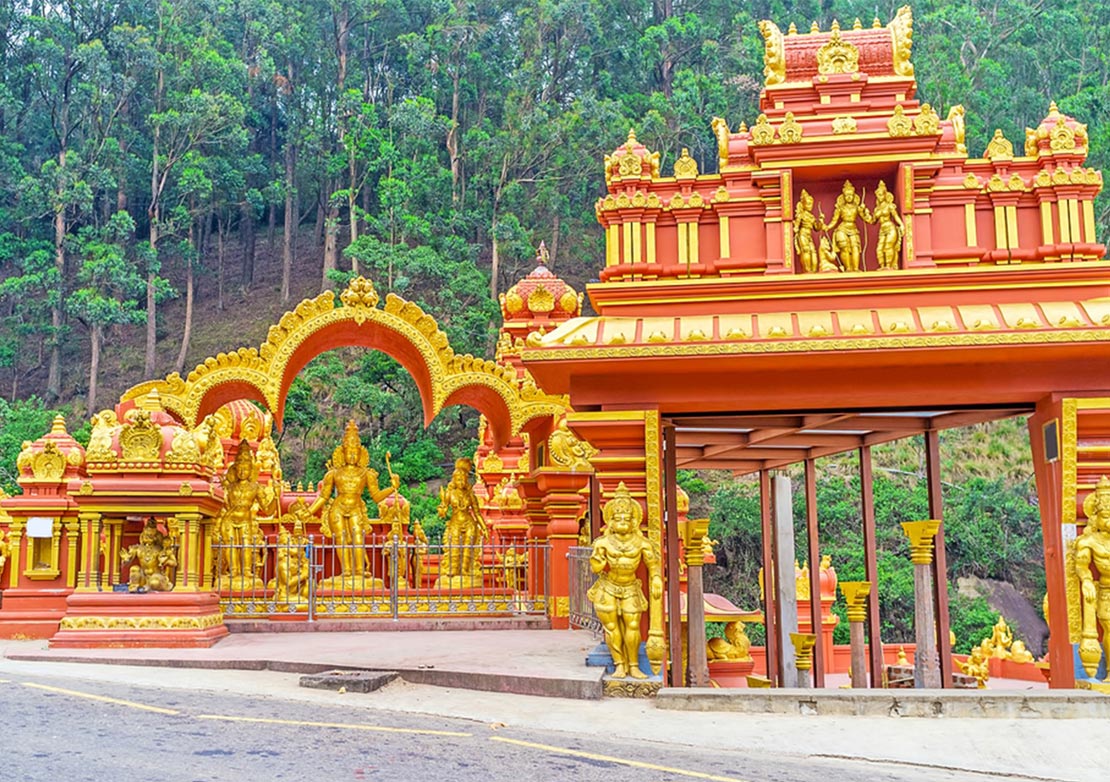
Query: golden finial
(151, 402)
(1052, 109)
(631, 138)
(857, 25)
(793, 29)
(543, 256)
(813, 28)
(875, 23)
(59, 425)
(835, 27)
(743, 127)
(902, 659)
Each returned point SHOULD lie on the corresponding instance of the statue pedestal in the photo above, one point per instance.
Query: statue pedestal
(730, 673)
(164, 619)
(32, 613)
(350, 585)
(459, 582)
(242, 584)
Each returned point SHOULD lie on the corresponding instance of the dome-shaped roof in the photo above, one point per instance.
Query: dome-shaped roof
(540, 294)
(52, 458)
(1057, 134)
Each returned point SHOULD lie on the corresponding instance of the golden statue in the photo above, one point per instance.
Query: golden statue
(804, 224)
(155, 559)
(828, 260)
(617, 595)
(959, 130)
(461, 565)
(891, 228)
(734, 646)
(237, 524)
(901, 33)
(774, 53)
(5, 550)
(977, 666)
(395, 511)
(1093, 548)
(345, 519)
(1001, 639)
(419, 552)
(1019, 654)
(846, 237)
(293, 570)
(566, 450)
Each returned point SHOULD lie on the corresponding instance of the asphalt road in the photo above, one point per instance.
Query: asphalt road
(73, 730)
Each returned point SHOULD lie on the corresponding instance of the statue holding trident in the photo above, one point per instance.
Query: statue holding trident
(345, 519)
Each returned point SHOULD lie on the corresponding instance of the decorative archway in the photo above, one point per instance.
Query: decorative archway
(400, 329)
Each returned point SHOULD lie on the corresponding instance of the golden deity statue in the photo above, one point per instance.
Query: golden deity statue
(345, 517)
(828, 260)
(395, 511)
(461, 565)
(804, 224)
(1092, 548)
(618, 595)
(154, 560)
(419, 553)
(237, 523)
(959, 130)
(292, 568)
(734, 646)
(977, 666)
(846, 237)
(5, 549)
(1001, 639)
(891, 229)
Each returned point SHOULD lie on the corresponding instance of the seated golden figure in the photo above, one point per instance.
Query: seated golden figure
(154, 559)
(345, 517)
(461, 565)
(618, 595)
(292, 568)
(237, 523)
(735, 646)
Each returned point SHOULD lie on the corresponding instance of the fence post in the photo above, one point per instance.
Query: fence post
(313, 572)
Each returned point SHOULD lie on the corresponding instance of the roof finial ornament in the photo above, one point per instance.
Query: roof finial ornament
(876, 24)
(631, 138)
(543, 255)
(857, 24)
(792, 30)
(813, 28)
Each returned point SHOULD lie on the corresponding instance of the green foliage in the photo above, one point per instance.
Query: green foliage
(22, 420)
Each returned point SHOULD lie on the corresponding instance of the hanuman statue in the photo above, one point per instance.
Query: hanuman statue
(154, 560)
(344, 517)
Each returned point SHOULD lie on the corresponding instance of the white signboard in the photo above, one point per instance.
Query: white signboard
(40, 527)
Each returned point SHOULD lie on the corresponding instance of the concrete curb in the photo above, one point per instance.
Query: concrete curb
(1059, 704)
(578, 689)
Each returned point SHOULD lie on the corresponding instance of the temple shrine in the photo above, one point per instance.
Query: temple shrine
(849, 275)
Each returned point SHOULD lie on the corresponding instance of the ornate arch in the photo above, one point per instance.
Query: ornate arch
(400, 329)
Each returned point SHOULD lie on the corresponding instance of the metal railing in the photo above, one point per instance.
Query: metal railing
(580, 578)
(393, 578)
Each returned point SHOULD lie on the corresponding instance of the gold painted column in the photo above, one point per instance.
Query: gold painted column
(855, 597)
(803, 657)
(88, 574)
(697, 671)
(191, 556)
(73, 531)
(15, 558)
(926, 666)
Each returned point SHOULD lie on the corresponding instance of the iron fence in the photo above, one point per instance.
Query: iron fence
(394, 578)
(580, 578)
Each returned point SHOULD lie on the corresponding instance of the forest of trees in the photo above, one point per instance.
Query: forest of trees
(159, 159)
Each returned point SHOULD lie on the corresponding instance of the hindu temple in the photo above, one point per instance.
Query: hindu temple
(849, 274)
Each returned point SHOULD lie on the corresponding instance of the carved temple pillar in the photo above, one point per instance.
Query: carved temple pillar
(88, 572)
(694, 532)
(855, 597)
(803, 657)
(926, 668)
(190, 533)
(563, 504)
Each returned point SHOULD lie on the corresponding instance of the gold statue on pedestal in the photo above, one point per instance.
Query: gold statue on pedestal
(618, 595)
(395, 511)
(891, 228)
(461, 566)
(345, 519)
(237, 524)
(155, 559)
(734, 646)
(846, 237)
(291, 565)
(1092, 548)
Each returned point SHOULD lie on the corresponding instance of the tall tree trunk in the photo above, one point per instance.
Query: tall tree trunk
(246, 233)
(291, 212)
(555, 237)
(54, 372)
(187, 330)
(495, 259)
(220, 262)
(154, 213)
(331, 245)
(95, 339)
(272, 223)
(453, 137)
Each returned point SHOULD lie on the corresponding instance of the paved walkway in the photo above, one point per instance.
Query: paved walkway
(1036, 749)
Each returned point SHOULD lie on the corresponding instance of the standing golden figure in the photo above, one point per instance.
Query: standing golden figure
(345, 519)
(395, 511)
(804, 224)
(461, 565)
(1093, 548)
(891, 228)
(846, 237)
(237, 523)
(618, 595)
